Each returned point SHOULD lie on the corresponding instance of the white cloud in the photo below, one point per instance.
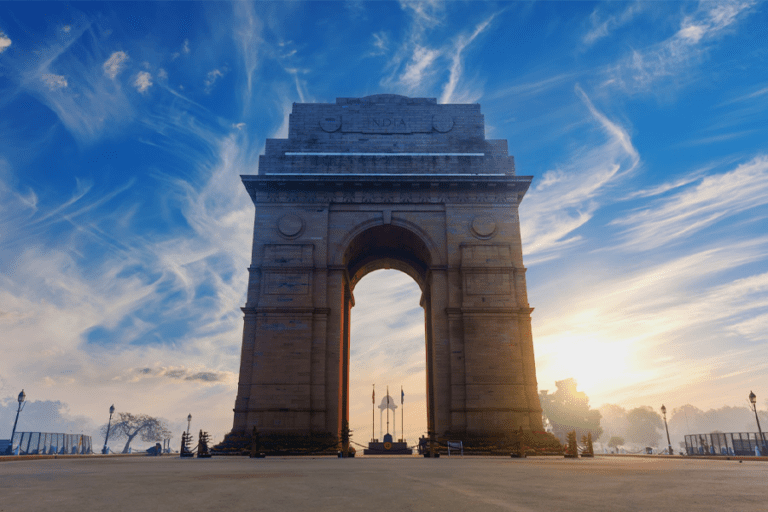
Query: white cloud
(248, 36)
(162, 74)
(567, 197)
(421, 59)
(381, 43)
(456, 69)
(185, 48)
(652, 328)
(674, 56)
(694, 208)
(604, 26)
(53, 300)
(5, 41)
(427, 13)
(66, 28)
(752, 95)
(143, 81)
(54, 81)
(210, 79)
(115, 64)
(95, 106)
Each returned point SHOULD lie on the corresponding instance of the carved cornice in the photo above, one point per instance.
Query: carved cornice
(414, 189)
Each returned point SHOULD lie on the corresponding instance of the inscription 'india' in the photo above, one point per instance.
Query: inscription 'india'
(385, 123)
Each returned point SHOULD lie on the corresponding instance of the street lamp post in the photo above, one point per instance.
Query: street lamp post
(22, 396)
(753, 401)
(669, 443)
(189, 422)
(105, 450)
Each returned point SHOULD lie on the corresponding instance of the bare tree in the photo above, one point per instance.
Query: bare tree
(130, 425)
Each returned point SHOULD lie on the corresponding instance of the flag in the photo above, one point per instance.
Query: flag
(373, 396)
(402, 396)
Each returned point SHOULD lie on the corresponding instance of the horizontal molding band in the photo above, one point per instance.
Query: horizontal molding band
(498, 409)
(310, 153)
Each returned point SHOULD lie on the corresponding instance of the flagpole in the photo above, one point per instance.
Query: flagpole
(373, 414)
(402, 413)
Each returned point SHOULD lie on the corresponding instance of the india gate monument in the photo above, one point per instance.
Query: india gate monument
(386, 182)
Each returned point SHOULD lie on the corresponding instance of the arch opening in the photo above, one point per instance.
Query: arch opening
(387, 347)
(387, 246)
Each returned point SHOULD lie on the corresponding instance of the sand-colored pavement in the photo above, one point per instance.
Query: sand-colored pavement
(392, 484)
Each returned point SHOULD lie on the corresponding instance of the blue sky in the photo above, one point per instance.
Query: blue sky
(125, 230)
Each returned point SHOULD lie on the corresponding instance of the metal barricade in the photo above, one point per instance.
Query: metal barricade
(47, 443)
(726, 443)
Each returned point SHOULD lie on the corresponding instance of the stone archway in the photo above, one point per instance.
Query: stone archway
(387, 246)
(387, 181)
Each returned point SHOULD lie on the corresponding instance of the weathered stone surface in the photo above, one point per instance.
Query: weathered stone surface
(387, 182)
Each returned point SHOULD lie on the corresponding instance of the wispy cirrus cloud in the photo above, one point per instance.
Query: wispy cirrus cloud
(72, 76)
(211, 77)
(248, 36)
(698, 206)
(675, 56)
(746, 97)
(111, 308)
(426, 14)
(566, 198)
(54, 81)
(603, 25)
(456, 70)
(675, 313)
(380, 43)
(417, 65)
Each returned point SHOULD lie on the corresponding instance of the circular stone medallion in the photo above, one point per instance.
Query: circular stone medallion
(290, 225)
(442, 123)
(484, 226)
(330, 123)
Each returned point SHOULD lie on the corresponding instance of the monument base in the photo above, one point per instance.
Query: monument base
(274, 443)
(387, 448)
(533, 443)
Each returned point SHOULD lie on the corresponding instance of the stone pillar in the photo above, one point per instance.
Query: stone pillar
(344, 377)
(246, 371)
(441, 350)
(430, 358)
(458, 375)
(319, 413)
(333, 352)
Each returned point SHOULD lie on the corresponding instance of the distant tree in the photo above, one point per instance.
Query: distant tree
(128, 426)
(644, 426)
(613, 421)
(568, 409)
(615, 441)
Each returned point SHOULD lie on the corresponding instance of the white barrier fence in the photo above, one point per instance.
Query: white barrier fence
(45, 443)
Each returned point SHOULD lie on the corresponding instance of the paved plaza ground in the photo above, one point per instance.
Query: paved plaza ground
(392, 484)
